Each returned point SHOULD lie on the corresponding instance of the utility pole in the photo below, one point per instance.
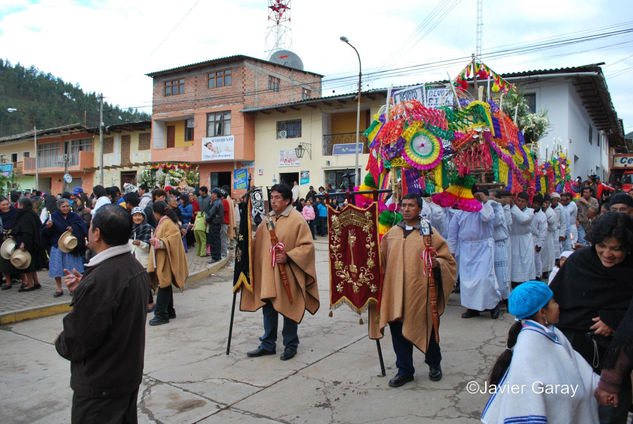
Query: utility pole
(66, 157)
(101, 139)
(37, 157)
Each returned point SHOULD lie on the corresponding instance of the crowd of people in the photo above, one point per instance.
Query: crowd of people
(44, 231)
(561, 266)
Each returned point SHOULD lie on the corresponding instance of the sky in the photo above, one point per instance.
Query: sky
(107, 46)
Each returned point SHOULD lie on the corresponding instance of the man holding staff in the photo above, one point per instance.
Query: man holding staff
(409, 304)
(284, 274)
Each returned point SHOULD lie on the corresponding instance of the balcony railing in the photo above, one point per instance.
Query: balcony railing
(329, 140)
(76, 162)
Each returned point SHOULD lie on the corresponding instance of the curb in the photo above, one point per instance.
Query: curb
(12, 317)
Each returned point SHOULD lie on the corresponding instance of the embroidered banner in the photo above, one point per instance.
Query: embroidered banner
(242, 276)
(354, 256)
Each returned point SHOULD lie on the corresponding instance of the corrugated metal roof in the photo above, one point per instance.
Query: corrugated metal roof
(43, 132)
(220, 60)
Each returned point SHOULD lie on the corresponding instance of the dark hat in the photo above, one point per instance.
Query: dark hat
(621, 198)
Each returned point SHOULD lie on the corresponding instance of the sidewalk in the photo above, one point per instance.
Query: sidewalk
(16, 306)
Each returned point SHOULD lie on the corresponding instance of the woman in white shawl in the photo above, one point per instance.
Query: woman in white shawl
(540, 378)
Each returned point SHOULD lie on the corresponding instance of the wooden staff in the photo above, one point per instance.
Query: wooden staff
(274, 241)
(428, 256)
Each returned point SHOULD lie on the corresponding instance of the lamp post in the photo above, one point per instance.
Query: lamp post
(37, 171)
(360, 74)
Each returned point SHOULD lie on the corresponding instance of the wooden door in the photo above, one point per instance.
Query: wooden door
(125, 150)
(171, 136)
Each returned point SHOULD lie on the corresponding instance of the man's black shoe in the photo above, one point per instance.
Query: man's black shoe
(400, 380)
(470, 313)
(288, 354)
(172, 315)
(158, 321)
(435, 373)
(494, 314)
(260, 351)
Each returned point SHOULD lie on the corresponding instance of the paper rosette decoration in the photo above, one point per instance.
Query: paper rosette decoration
(354, 255)
(422, 150)
(459, 193)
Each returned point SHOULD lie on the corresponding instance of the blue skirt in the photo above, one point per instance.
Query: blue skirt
(60, 261)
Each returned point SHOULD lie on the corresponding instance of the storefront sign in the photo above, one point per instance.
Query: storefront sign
(288, 158)
(304, 177)
(218, 148)
(623, 161)
(240, 179)
(346, 148)
(248, 164)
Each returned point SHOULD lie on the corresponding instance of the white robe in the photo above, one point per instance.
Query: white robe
(501, 235)
(563, 221)
(539, 233)
(470, 234)
(435, 214)
(522, 245)
(541, 359)
(572, 210)
(548, 254)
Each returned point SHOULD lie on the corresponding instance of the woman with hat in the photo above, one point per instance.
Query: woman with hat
(66, 233)
(539, 378)
(28, 255)
(139, 240)
(7, 214)
(167, 262)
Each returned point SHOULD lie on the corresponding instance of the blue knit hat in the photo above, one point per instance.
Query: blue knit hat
(528, 298)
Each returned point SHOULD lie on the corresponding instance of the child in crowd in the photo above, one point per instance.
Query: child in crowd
(200, 229)
(561, 261)
(539, 378)
(139, 241)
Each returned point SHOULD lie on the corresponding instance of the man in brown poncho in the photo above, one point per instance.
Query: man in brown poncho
(296, 255)
(405, 304)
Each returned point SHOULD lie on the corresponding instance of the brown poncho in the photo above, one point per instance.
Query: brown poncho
(405, 292)
(294, 232)
(171, 262)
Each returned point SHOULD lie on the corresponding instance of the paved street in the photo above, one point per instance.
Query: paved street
(190, 379)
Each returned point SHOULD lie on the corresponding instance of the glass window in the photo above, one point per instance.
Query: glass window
(218, 123)
(220, 78)
(273, 83)
(305, 93)
(530, 98)
(289, 129)
(174, 87)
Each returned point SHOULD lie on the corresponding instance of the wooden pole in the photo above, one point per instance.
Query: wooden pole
(228, 343)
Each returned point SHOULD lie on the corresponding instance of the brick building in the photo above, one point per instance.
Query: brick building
(197, 111)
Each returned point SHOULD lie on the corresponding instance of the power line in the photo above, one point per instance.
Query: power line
(346, 80)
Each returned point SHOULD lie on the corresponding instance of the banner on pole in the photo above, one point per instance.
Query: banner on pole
(354, 255)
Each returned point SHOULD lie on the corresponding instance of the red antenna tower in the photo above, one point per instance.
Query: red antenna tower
(278, 35)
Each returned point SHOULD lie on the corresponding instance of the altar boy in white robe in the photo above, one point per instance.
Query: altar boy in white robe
(470, 239)
(522, 244)
(548, 254)
(539, 378)
(539, 233)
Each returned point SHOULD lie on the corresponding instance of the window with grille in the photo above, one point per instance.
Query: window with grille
(189, 125)
(219, 123)
(49, 155)
(289, 129)
(174, 87)
(221, 78)
(273, 83)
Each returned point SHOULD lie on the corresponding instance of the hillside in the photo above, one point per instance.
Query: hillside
(51, 101)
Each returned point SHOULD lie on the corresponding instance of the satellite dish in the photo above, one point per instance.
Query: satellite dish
(286, 58)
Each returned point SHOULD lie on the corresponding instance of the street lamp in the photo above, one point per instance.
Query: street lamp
(360, 74)
(37, 171)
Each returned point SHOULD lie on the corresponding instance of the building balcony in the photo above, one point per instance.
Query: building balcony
(49, 165)
(177, 154)
(344, 143)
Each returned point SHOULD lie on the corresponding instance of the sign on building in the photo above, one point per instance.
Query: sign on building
(6, 169)
(288, 158)
(304, 177)
(428, 96)
(240, 179)
(346, 148)
(218, 148)
(622, 161)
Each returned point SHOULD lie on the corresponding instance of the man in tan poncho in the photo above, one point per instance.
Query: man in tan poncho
(269, 292)
(405, 304)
